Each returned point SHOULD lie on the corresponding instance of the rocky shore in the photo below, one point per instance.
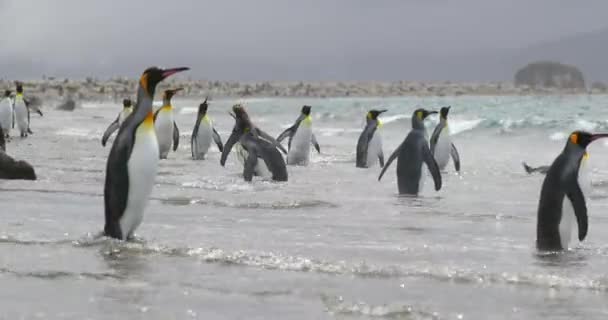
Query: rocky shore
(66, 91)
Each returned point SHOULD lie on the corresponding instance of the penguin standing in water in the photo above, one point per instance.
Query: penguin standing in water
(369, 146)
(166, 128)
(127, 108)
(203, 134)
(413, 153)
(257, 145)
(441, 143)
(563, 195)
(6, 113)
(133, 161)
(22, 112)
(300, 138)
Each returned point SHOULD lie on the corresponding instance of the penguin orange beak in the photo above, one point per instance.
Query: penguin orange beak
(599, 136)
(169, 72)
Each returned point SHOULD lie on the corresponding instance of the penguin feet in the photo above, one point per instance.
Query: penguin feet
(135, 239)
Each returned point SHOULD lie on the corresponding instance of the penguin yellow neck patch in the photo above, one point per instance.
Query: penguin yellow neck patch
(148, 122)
(585, 155)
(419, 115)
(167, 107)
(308, 120)
(379, 124)
(205, 118)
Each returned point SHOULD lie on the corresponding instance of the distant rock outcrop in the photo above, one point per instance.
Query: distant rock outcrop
(549, 74)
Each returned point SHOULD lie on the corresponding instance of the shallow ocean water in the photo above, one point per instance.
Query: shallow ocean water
(333, 242)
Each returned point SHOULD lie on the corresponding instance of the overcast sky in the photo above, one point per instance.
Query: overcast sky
(282, 39)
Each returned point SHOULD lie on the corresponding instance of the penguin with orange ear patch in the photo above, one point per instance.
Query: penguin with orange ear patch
(166, 128)
(563, 195)
(133, 161)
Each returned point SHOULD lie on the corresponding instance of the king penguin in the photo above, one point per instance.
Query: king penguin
(413, 153)
(166, 128)
(256, 145)
(369, 146)
(127, 108)
(22, 112)
(203, 133)
(6, 113)
(133, 161)
(563, 194)
(300, 138)
(441, 143)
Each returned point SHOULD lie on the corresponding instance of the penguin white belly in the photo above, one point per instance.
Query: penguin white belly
(123, 115)
(443, 148)
(261, 169)
(299, 152)
(423, 173)
(203, 139)
(164, 132)
(374, 147)
(568, 223)
(21, 116)
(142, 166)
(6, 115)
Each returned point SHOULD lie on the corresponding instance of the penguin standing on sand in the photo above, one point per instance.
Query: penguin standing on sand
(413, 153)
(127, 108)
(369, 146)
(203, 133)
(21, 111)
(257, 145)
(6, 113)
(300, 138)
(166, 128)
(441, 143)
(563, 196)
(133, 161)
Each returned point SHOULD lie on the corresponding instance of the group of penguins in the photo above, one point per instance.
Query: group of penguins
(145, 136)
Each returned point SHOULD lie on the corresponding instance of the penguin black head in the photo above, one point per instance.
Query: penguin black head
(306, 110)
(126, 103)
(421, 113)
(7, 93)
(583, 138)
(19, 87)
(154, 75)
(443, 113)
(202, 108)
(373, 114)
(169, 93)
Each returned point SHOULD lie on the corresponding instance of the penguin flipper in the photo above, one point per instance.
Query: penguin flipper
(270, 139)
(431, 164)
(250, 163)
(217, 139)
(363, 144)
(111, 128)
(389, 161)
(577, 199)
(455, 157)
(273, 159)
(234, 137)
(193, 137)
(314, 142)
(116, 188)
(288, 132)
(435, 138)
(381, 158)
(175, 136)
(156, 113)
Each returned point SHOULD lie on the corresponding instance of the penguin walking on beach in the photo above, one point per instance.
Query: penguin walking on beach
(203, 133)
(563, 195)
(300, 138)
(442, 146)
(412, 154)
(6, 113)
(133, 161)
(369, 146)
(21, 111)
(127, 108)
(260, 151)
(166, 128)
